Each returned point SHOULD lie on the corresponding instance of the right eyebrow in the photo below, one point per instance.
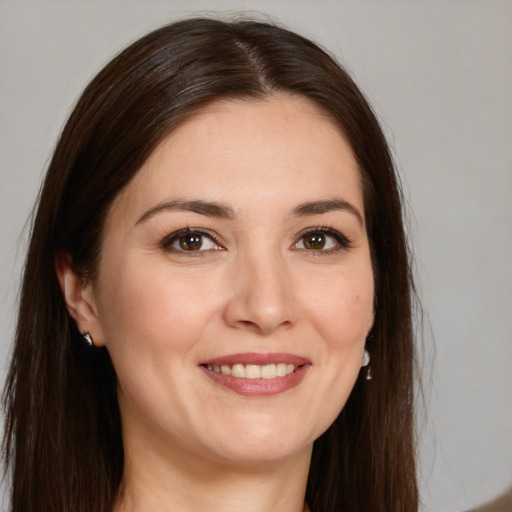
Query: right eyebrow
(207, 208)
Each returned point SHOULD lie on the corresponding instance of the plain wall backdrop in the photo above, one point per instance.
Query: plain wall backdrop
(439, 75)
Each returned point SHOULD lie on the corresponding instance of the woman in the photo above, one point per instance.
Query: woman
(217, 253)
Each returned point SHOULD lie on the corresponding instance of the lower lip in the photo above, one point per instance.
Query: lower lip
(259, 387)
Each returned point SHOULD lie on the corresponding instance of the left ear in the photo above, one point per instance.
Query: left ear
(79, 297)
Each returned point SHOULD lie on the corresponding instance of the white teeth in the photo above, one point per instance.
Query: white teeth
(238, 370)
(269, 371)
(254, 371)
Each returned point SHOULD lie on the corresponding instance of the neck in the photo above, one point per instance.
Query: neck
(155, 482)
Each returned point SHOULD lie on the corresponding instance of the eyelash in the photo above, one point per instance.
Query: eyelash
(343, 242)
(167, 242)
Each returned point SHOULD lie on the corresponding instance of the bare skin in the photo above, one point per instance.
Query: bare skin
(242, 236)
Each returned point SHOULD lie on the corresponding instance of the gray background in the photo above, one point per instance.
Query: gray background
(439, 74)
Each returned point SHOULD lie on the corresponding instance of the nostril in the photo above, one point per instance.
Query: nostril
(260, 302)
(247, 325)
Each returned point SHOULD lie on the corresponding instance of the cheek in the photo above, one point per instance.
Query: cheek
(152, 323)
(143, 307)
(341, 307)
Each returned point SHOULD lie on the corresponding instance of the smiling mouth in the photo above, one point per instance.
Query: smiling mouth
(257, 374)
(253, 371)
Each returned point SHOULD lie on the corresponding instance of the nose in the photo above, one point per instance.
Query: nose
(261, 299)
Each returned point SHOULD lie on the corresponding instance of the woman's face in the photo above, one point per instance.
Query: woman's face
(235, 288)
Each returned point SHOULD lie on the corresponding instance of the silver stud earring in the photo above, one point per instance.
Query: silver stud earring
(366, 362)
(366, 358)
(88, 338)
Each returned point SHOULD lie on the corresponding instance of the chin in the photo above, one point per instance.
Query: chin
(261, 442)
(262, 454)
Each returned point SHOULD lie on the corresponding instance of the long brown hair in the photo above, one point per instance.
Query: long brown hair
(63, 436)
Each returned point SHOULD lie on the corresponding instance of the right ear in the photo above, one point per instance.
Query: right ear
(78, 296)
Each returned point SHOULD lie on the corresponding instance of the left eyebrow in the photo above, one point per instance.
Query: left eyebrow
(325, 206)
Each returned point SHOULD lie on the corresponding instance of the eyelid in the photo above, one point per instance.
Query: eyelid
(168, 240)
(344, 241)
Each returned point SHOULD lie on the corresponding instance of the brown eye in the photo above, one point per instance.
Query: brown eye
(190, 242)
(314, 241)
(322, 241)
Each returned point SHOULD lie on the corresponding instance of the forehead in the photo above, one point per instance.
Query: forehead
(281, 147)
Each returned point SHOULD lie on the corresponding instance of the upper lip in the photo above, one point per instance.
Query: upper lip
(257, 358)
